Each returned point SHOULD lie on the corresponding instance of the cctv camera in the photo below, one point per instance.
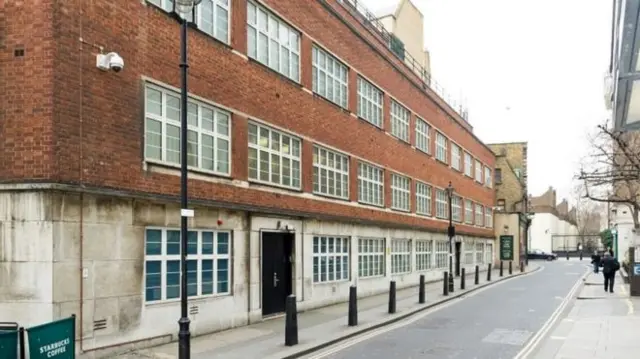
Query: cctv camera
(111, 61)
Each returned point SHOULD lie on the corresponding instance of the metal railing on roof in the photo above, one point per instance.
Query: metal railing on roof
(358, 10)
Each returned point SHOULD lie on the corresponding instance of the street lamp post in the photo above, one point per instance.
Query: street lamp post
(182, 9)
(451, 232)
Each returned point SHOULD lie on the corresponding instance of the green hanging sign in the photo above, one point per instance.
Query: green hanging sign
(55, 340)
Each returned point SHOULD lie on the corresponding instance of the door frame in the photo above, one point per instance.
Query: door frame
(457, 252)
(291, 279)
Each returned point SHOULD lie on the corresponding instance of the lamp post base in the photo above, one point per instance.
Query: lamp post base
(184, 339)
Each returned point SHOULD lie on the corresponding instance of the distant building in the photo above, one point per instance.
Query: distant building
(554, 227)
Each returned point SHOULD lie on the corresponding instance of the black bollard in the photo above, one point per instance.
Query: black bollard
(445, 284)
(353, 306)
(501, 268)
(392, 297)
(580, 255)
(476, 280)
(462, 278)
(522, 267)
(567, 255)
(291, 323)
(421, 293)
(489, 273)
(510, 267)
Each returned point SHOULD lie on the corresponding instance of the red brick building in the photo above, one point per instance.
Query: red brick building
(318, 159)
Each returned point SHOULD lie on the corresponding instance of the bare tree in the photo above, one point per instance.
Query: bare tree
(611, 172)
(588, 213)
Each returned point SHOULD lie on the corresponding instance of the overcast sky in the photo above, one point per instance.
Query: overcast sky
(529, 70)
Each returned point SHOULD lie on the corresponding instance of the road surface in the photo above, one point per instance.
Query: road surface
(494, 323)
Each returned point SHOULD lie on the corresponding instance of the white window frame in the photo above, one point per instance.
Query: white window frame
(331, 249)
(400, 119)
(335, 75)
(292, 153)
(469, 251)
(480, 252)
(442, 199)
(488, 217)
(468, 211)
(424, 254)
(441, 147)
(330, 168)
(468, 164)
(456, 208)
(400, 192)
(400, 256)
(478, 177)
(424, 204)
(441, 254)
(423, 136)
(220, 120)
(167, 5)
(285, 37)
(488, 181)
(371, 257)
(479, 216)
(370, 102)
(455, 157)
(370, 184)
(164, 258)
(488, 253)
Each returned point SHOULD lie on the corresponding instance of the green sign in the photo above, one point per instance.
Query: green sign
(53, 340)
(8, 344)
(506, 248)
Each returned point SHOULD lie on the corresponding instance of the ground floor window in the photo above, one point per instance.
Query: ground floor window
(488, 253)
(208, 263)
(424, 250)
(469, 248)
(371, 257)
(442, 253)
(330, 259)
(400, 256)
(479, 252)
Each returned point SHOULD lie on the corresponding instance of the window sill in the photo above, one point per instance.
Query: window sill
(370, 123)
(371, 205)
(371, 277)
(328, 283)
(323, 195)
(273, 185)
(336, 105)
(192, 300)
(401, 210)
(151, 164)
(281, 76)
(442, 162)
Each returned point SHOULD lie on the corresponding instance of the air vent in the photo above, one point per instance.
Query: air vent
(99, 324)
(194, 310)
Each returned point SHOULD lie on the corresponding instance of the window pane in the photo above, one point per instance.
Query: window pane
(154, 242)
(223, 243)
(173, 279)
(223, 276)
(173, 243)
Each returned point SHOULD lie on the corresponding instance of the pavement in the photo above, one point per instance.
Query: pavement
(597, 325)
(495, 323)
(320, 328)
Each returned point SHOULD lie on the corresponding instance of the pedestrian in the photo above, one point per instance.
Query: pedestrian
(595, 260)
(610, 266)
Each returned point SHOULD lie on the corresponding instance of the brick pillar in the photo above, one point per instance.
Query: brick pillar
(307, 166)
(353, 179)
(386, 114)
(353, 92)
(239, 25)
(306, 62)
(239, 147)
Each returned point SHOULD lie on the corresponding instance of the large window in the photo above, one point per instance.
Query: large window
(488, 217)
(371, 257)
(212, 16)
(208, 135)
(274, 157)
(479, 252)
(424, 250)
(423, 199)
(399, 121)
(272, 42)
(488, 253)
(468, 211)
(423, 137)
(441, 204)
(442, 254)
(329, 77)
(330, 173)
(468, 165)
(478, 171)
(370, 101)
(400, 256)
(400, 192)
(455, 157)
(330, 259)
(441, 147)
(208, 263)
(498, 175)
(370, 184)
(469, 250)
(456, 208)
(479, 215)
(487, 177)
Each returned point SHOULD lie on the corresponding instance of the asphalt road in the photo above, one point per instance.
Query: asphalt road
(493, 324)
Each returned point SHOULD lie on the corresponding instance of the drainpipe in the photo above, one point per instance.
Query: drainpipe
(81, 183)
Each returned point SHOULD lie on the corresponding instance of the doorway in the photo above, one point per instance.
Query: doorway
(277, 253)
(458, 254)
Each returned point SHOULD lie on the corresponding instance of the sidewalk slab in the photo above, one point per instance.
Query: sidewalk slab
(317, 328)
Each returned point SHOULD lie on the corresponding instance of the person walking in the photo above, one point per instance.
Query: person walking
(595, 260)
(610, 266)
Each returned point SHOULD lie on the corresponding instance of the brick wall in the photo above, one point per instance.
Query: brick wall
(97, 117)
(509, 157)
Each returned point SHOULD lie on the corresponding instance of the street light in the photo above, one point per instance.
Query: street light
(181, 11)
(452, 232)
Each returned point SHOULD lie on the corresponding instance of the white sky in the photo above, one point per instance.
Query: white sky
(529, 70)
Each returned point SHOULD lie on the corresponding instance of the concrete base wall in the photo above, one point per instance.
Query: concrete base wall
(67, 253)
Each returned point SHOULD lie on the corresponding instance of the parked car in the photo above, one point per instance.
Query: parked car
(540, 254)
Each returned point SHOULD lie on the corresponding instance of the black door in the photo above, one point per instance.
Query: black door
(458, 250)
(277, 249)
